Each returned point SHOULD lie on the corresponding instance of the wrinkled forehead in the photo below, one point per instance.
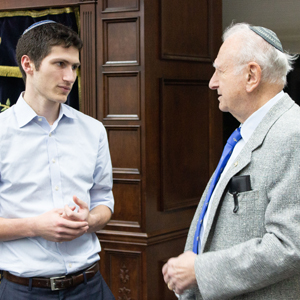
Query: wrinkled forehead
(228, 53)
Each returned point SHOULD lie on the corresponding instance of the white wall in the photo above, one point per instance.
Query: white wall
(281, 16)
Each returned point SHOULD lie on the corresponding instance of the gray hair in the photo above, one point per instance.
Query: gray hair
(275, 65)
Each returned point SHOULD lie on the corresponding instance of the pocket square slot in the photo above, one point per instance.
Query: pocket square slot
(239, 184)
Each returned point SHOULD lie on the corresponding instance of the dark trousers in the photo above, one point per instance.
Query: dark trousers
(93, 289)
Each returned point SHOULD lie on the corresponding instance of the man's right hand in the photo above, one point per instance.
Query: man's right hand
(53, 227)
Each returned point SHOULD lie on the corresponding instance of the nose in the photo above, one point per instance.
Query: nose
(214, 83)
(70, 75)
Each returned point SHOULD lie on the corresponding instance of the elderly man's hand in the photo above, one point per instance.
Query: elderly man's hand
(179, 272)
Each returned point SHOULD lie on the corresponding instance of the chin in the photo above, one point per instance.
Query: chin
(222, 108)
(62, 99)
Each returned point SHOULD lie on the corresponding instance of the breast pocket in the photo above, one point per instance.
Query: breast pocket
(246, 211)
(233, 228)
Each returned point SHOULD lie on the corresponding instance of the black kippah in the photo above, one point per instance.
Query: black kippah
(268, 35)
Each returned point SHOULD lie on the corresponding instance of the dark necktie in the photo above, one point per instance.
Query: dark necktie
(231, 142)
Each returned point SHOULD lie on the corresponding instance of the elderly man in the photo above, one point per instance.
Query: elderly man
(244, 240)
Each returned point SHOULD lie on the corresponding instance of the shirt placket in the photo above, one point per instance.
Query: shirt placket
(55, 177)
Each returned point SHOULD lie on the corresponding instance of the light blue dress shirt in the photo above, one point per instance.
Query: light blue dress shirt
(41, 168)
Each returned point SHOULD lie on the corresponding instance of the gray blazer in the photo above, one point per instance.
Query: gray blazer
(255, 253)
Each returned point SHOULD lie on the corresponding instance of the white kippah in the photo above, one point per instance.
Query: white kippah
(38, 24)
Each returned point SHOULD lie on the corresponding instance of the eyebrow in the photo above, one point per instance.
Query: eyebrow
(66, 61)
(221, 68)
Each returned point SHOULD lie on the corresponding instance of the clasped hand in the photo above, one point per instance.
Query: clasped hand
(179, 272)
(63, 224)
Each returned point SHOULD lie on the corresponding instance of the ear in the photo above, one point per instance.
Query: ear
(27, 65)
(253, 76)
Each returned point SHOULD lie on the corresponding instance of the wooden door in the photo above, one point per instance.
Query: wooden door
(154, 62)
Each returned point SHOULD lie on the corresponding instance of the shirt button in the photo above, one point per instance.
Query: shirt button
(70, 265)
(50, 134)
(53, 160)
(40, 119)
(56, 188)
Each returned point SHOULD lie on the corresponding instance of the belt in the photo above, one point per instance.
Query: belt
(55, 283)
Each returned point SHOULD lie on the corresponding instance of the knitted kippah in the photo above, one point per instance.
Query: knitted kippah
(268, 35)
(38, 24)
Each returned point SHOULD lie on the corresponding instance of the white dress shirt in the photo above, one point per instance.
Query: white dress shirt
(41, 168)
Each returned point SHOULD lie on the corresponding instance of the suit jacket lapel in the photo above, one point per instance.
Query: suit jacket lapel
(244, 158)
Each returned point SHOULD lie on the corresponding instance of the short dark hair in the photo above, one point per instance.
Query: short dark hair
(38, 42)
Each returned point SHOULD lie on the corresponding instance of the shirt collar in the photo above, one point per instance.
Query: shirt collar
(66, 110)
(252, 122)
(25, 114)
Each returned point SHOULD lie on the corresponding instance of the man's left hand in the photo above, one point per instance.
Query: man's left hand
(81, 214)
(179, 272)
(96, 218)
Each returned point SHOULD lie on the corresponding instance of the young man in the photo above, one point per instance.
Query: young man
(244, 241)
(55, 178)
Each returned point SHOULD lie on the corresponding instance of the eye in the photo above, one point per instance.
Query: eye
(75, 67)
(220, 71)
(60, 64)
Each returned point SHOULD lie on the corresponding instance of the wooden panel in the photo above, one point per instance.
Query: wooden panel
(125, 147)
(149, 252)
(185, 30)
(127, 194)
(121, 41)
(164, 291)
(184, 142)
(120, 5)
(88, 60)
(121, 96)
(125, 273)
(157, 255)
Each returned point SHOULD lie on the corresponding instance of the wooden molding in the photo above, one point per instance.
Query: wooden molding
(124, 6)
(30, 4)
(88, 59)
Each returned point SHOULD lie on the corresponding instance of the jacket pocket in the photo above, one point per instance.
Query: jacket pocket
(248, 222)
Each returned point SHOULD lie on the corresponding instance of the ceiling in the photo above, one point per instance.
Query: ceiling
(281, 16)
